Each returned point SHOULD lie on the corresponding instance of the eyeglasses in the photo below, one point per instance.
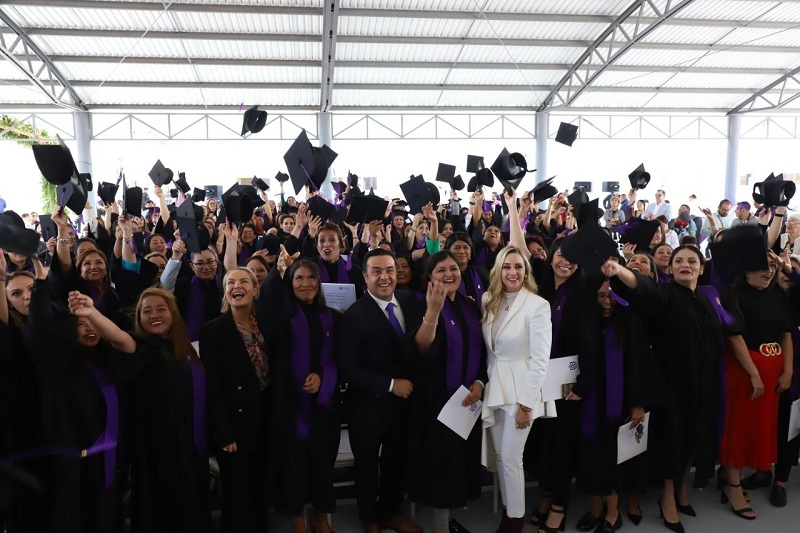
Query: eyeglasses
(200, 264)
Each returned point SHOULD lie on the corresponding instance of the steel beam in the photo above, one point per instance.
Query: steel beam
(330, 29)
(612, 43)
(775, 95)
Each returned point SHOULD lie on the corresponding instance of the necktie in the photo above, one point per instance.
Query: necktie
(393, 319)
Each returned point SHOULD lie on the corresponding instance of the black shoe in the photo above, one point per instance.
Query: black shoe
(677, 527)
(756, 480)
(605, 527)
(561, 527)
(777, 496)
(455, 527)
(635, 518)
(687, 509)
(538, 518)
(588, 522)
(741, 513)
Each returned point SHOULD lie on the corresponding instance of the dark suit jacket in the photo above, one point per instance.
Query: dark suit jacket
(236, 407)
(370, 355)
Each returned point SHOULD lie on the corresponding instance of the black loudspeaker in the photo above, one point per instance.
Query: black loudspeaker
(214, 191)
(586, 186)
(610, 186)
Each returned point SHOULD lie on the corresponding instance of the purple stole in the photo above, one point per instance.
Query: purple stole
(97, 298)
(419, 245)
(196, 308)
(245, 254)
(455, 344)
(341, 273)
(301, 366)
(483, 255)
(727, 319)
(663, 278)
(615, 386)
(556, 313)
(476, 284)
(199, 407)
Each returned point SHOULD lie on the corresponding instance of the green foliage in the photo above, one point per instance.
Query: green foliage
(13, 128)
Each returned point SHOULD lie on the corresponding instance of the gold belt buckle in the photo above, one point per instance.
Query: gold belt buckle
(770, 349)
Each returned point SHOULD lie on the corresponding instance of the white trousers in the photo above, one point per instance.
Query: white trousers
(509, 443)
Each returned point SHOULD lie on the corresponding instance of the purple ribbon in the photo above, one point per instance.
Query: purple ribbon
(301, 366)
(199, 409)
(713, 296)
(455, 344)
(197, 307)
(556, 313)
(476, 284)
(341, 273)
(615, 386)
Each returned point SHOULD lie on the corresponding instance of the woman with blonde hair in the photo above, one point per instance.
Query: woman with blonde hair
(514, 317)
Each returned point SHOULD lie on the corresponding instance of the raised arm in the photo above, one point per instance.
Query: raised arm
(231, 235)
(774, 230)
(426, 333)
(628, 278)
(163, 210)
(82, 305)
(170, 274)
(514, 228)
(62, 244)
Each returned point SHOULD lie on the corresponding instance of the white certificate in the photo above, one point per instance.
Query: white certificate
(560, 371)
(794, 420)
(457, 417)
(339, 296)
(196, 346)
(631, 441)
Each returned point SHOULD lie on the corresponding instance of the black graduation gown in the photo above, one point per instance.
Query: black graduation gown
(687, 340)
(444, 470)
(169, 480)
(301, 469)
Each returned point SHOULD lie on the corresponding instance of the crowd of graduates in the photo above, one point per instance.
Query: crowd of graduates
(137, 344)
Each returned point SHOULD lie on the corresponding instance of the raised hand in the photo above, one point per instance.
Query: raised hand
(178, 249)
(285, 260)
(435, 297)
(80, 304)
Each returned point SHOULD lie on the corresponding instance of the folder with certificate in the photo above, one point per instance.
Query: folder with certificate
(562, 373)
(457, 417)
(631, 441)
(794, 420)
(339, 296)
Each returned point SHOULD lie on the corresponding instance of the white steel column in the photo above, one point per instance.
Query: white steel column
(732, 161)
(542, 132)
(83, 159)
(325, 135)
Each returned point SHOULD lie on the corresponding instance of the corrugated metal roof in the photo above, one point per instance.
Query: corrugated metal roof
(389, 75)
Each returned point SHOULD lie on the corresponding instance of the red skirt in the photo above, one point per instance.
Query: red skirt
(750, 437)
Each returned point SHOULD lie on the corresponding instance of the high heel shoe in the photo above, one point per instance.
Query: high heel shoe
(538, 518)
(318, 523)
(543, 527)
(687, 509)
(635, 518)
(606, 527)
(677, 527)
(741, 512)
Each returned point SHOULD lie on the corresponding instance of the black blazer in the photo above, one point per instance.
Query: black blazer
(370, 355)
(236, 407)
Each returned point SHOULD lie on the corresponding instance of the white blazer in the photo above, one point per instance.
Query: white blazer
(518, 361)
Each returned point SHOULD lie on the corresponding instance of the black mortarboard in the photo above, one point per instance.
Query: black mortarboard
(544, 190)
(577, 198)
(339, 187)
(72, 194)
(586, 214)
(639, 231)
(434, 192)
(352, 179)
(132, 200)
(321, 208)
(446, 173)
(86, 179)
(417, 193)
(238, 206)
(107, 192)
(567, 133)
(742, 249)
(49, 228)
(198, 195)
(590, 247)
(254, 120)
(639, 178)
(281, 177)
(610, 186)
(510, 169)
(307, 163)
(367, 208)
(182, 184)
(187, 226)
(474, 163)
(483, 178)
(272, 244)
(457, 184)
(15, 237)
(160, 175)
(259, 184)
(55, 162)
(774, 191)
(255, 199)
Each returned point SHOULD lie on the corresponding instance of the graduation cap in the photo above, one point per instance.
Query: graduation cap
(577, 198)
(639, 231)
(484, 178)
(238, 206)
(774, 191)
(281, 177)
(742, 249)
(254, 120)
(198, 195)
(15, 237)
(367, 208)
(475, 163)
(272, 244)
(434, 192)
(510, 169)
(446, 173)
(321, 208)
(72, 194)
(457, 184)
(308, 164)
(544, 190)
(567, 133)
(55, 162)
(49, 228)
(188, 228)
(182, 184)
(339, 187)
(252, 193)
(160, 175)
(352, 179)
(417, 193)
(259, 184)
(639, 178)
(131, 199)
(107, 192)
(586, 214)
(590, 247)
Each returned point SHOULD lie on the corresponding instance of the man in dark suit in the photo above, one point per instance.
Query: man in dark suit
(376, 361)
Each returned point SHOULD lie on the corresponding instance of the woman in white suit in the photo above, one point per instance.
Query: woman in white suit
(517, 333)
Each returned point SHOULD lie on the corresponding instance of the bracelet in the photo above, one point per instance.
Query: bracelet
(63, 242)
(126, 240)
(779, 215)
(3, 280)
(428, 323)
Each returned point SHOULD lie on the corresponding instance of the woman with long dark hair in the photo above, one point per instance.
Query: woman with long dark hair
(445, 468)
(474, 278)
(305, 381)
